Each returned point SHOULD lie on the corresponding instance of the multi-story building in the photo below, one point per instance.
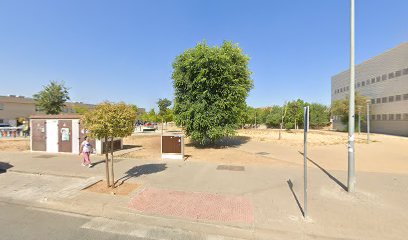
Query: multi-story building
(384, 80)
(13, 107)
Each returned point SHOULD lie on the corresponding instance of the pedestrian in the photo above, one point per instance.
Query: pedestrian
(86, 149)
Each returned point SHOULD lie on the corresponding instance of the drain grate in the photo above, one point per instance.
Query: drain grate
(45, 156)
(231, 168)
(262, 153)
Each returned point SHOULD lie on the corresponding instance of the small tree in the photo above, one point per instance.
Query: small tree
(52, 98)
(211, 85)
(319, 115)
(341, 108)
(163, 105)
(108, 121)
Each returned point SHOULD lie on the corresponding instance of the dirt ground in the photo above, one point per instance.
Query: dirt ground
(123, 189)
(253, 146)
(14, 144)
(261, 146)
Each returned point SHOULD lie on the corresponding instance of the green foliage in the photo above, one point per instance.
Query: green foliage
(341, 108)
(163, 105)
(52, 98)
(274, 118)
(295, 114)
(110, 120)
(211, 85)
(81, 110)
(319, 115)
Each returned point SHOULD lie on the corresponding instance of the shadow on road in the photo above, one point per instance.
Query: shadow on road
(141, 170)
(327, 173)
(4, 166)
(290, 184)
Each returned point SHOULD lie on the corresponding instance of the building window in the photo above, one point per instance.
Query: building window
(390, 75)
(384, 100)
(384, 77)
(378, 117)
(405, 71)
(368, 81)
(341, 89)
(362, 83)
(372, 80)
(378, 78)
(398, 73)
(391, 117)
(1, 106)
(372, 117)
(398, 116)
(405, 116)
(1, 121)
(358, 84)
(373, 101)
(405, 97)
(384, 117)
(398, 98)
(348, 88)
(391, 99)
(378, 100)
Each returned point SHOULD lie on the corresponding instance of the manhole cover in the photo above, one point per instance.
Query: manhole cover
(262, 153)
(231, 168)
(45, 156)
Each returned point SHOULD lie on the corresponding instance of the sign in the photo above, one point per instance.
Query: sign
(64, 134)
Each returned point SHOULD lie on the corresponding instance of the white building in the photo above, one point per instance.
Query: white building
(384, 80)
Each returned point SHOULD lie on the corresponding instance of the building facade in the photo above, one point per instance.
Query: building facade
(13, 107)
(384, 80)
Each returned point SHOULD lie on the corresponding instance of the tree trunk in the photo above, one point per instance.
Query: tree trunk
(280, 129)
(112, 174)
(106, 161)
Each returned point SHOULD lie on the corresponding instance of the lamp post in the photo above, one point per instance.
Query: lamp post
(351, 177)
(368, 121)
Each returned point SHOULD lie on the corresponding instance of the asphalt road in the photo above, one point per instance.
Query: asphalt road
(21, 222)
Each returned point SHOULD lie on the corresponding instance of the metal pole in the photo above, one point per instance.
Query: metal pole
(368, 122)
(351, 180)
(306, 129)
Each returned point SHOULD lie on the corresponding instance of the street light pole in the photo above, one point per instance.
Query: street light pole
(368, 121)
(351, 180)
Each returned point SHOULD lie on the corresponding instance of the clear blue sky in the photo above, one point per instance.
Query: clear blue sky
(123, 50)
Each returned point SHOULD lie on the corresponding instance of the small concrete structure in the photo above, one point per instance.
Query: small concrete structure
(172, 146)
(62, 133)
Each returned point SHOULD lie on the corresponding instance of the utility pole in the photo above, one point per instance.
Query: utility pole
(368, 121)
(351, 178)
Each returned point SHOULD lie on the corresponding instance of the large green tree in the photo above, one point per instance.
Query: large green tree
(211, 85)
(106, 122)
(52, 98)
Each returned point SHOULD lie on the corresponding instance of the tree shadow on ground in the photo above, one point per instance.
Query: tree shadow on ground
(137, 171)
(130, 147)
(290, 184)
(327, 173)
(4, 166)
(225, 142)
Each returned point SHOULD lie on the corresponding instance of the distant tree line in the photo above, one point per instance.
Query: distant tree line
(290, 114)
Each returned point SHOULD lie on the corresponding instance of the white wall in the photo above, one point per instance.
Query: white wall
(52, 135)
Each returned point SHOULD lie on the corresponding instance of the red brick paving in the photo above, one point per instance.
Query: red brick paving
(191, 205)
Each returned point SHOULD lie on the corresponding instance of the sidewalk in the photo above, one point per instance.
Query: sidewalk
(266, 202)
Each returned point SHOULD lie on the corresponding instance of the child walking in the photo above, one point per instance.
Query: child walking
(86, 149)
